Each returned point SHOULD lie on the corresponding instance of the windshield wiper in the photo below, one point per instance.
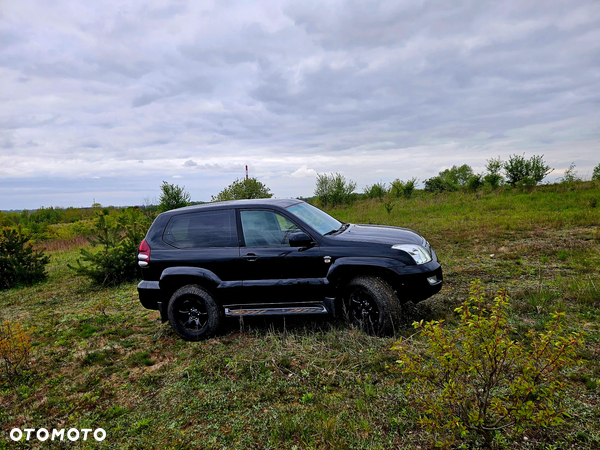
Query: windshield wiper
(342, 228)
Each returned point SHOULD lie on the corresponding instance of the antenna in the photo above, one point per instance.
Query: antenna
(246, 171)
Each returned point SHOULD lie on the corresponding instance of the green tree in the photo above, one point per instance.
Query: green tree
(19, 262)
(450, 179)
(475, 182)
(376, 190)
(596, 174)
(401, 188)
(115, 262)
(457, 176)
(521, 171)
(172, 197)
(248, 188)
(439, 184)
(493, 177)
(334, 189)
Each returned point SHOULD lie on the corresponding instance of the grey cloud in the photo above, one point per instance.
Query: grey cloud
(90, 144)
(189, 163)
(7, 143)
(194, 85)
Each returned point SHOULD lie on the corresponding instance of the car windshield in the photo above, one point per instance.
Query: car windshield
(315, 218)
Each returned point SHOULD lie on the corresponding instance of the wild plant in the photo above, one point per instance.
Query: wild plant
(477, 379)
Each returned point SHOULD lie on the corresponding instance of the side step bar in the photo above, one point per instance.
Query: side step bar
(290, 310)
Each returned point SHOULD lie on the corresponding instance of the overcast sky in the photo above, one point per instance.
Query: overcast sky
(104, 100)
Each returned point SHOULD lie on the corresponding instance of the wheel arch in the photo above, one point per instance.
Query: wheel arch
(174, 278)
(345, 269)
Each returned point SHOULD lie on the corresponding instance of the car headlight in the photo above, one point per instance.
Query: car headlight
(418, 253)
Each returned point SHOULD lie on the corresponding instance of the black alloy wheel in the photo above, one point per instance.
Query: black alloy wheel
(191, 313)
(372, 305)
(363, 311)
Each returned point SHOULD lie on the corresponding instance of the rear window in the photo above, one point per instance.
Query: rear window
(202, 230)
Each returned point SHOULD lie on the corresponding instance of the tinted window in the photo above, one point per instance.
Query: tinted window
(319, 220)
(266, 228)
(204, 229)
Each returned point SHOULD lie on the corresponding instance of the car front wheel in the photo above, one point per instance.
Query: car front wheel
(372, 305)
(193, 313)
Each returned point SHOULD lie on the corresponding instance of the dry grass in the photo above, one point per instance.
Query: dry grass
(63, 245)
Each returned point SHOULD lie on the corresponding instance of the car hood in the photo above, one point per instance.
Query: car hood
(379, 234)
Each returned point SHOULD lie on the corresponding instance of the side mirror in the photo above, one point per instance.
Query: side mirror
(300, 239)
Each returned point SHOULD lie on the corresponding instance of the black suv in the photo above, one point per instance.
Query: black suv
(279, 257)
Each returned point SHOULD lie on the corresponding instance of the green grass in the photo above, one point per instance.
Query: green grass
(292, 383)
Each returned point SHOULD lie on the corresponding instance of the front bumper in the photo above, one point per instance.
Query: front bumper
(417, 283)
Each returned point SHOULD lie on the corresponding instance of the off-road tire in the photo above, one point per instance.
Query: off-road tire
(193, 313)
(372, 305)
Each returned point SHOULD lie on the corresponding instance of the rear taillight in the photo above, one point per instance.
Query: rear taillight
(144, 254)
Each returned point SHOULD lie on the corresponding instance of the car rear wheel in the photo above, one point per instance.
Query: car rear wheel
(372, 305)
(193, 313)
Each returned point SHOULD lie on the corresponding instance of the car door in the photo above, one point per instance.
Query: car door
(273, 271)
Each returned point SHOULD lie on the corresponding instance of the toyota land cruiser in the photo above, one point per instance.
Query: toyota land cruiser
(279, 257)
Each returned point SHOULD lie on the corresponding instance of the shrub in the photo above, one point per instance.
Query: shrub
(526, 172)
(334, 189)
(401, 188)
(376, 190)
(172, 197)
(389, 206)
(457, 175)
(438, 184)
(475, 182)
(115, 262)
(493, 177)
(101, 306)
(596, 173)
(571, 175)
(20, 264)
(15, 350)
(476, 379)
(249, 188)
(450, 179)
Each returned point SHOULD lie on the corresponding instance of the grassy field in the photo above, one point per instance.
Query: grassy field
(296, 384)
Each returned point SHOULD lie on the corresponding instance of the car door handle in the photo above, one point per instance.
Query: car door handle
(250, 257)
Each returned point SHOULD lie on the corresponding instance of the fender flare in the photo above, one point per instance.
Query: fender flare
(171, 273)
(361, 261)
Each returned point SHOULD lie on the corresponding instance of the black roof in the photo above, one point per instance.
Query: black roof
(280, 202)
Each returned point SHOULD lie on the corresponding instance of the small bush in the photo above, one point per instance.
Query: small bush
(115, 262)
(438, 184)
(389, 206)
(526, 172)
(20, 264)
(475, 182)
(172, 197)
(457, 175)
(571, 175)
(376, 190)
(477, 379)
(596, 173)
(404, 189)
(101, 306)
(243, 188)
(493, 177)
(334, 189)
(15, 350)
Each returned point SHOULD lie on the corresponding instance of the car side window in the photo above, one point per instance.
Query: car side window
(266, 228)
(202, 230)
